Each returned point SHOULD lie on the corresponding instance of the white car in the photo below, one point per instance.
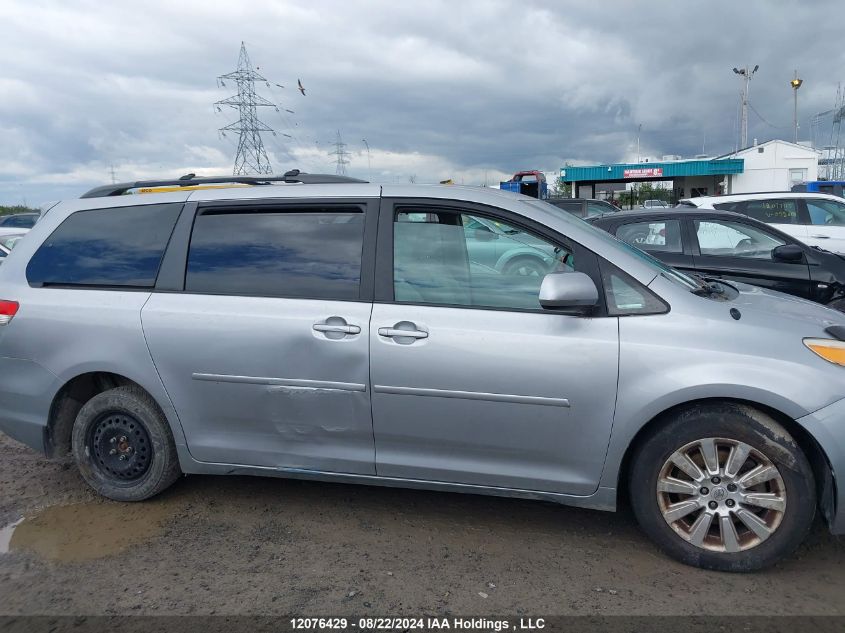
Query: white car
(816, 219)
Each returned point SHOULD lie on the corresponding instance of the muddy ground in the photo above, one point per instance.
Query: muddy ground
(237, 545)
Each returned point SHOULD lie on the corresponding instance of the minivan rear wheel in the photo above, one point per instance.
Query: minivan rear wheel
(723, 486)
(123, 446)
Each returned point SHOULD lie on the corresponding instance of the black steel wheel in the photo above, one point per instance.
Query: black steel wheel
(120, 446)
(123, 445)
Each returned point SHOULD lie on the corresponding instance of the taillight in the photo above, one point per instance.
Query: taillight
(8, 309)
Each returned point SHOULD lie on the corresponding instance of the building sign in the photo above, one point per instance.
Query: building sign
(644, 172)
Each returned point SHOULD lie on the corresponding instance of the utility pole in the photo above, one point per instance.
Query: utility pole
(251, 157)
(746, 75)
(341, 155)
(796, 84)
(111, 173)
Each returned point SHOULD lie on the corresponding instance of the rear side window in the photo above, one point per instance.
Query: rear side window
(116, 247)
(576, 208)
(311, 253)
(20, 221)
(663, 236)
(773, 211)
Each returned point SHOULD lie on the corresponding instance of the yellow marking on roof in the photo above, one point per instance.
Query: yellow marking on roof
(188, 187)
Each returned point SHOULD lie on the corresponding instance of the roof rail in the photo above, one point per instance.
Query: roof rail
(190, 180)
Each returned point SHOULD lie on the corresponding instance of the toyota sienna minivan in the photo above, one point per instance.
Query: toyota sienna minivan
(450, 338)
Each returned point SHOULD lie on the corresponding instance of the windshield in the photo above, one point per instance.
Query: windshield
(658, 266)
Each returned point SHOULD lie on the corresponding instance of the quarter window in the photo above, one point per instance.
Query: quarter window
(452, 258)
(625, 296)
(303, 252)
(663, 236)
(733, 239)
(119, 247)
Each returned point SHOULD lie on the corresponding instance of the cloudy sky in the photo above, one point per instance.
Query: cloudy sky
(463, 89)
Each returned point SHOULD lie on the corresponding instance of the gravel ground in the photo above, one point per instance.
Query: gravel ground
(241, 545)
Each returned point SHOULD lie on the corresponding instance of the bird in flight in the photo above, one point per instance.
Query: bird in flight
(299, 85)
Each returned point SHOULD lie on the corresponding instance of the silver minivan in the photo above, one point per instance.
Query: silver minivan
(441, 337)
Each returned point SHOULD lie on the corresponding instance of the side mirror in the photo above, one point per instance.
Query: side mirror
(568, 290)
(788, 253)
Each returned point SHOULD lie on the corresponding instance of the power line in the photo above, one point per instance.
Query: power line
(251, 157)
(760, 116)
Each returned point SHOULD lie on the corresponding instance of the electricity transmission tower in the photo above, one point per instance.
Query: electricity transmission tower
(251, 157)
(341, 155)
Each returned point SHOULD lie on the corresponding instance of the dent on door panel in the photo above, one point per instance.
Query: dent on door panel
(255, 385)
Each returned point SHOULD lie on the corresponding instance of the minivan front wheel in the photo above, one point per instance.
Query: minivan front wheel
(123, 446)
(723, 486)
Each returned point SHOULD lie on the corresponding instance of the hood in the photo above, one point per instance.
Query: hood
(777, 304)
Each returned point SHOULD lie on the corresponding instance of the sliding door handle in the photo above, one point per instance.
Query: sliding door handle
(343, 329)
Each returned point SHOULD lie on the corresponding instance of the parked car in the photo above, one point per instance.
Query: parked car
(734, 247)
(584, 207)
(816, 219)
(323, 328)
(19, 220)
(7, 243)
(655, 204)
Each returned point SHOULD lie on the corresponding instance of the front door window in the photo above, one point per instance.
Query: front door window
(448, 258)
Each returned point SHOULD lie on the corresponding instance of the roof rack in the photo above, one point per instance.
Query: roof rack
(190, 180)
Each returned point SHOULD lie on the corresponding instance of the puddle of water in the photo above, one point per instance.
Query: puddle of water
(86, 531)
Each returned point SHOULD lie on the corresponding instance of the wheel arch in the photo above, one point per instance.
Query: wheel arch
(71, 397)
(819, 462)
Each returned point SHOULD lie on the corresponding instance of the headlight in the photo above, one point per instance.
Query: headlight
(831, 350)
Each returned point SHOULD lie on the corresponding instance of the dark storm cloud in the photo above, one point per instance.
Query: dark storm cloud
(439, 89)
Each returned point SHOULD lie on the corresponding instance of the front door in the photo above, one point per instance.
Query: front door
(736, 251)
(265, 353)
(827, 224)
(473, 383)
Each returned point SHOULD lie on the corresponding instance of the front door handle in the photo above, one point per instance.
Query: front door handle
(821, 237)
(390, 332)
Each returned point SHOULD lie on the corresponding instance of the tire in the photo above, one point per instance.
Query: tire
(123, 446)
(735, 541)
(526, 267)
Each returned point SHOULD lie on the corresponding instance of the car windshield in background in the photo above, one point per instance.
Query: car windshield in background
(659, 267)
(10, 241)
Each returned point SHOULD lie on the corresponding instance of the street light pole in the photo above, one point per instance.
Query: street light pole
(746, 75)
(369, 166)
(796, 84)
(639, 129)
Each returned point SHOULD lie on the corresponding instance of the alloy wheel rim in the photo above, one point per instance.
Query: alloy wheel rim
(721, 495)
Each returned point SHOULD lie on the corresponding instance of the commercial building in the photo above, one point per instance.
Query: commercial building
(771, 166)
